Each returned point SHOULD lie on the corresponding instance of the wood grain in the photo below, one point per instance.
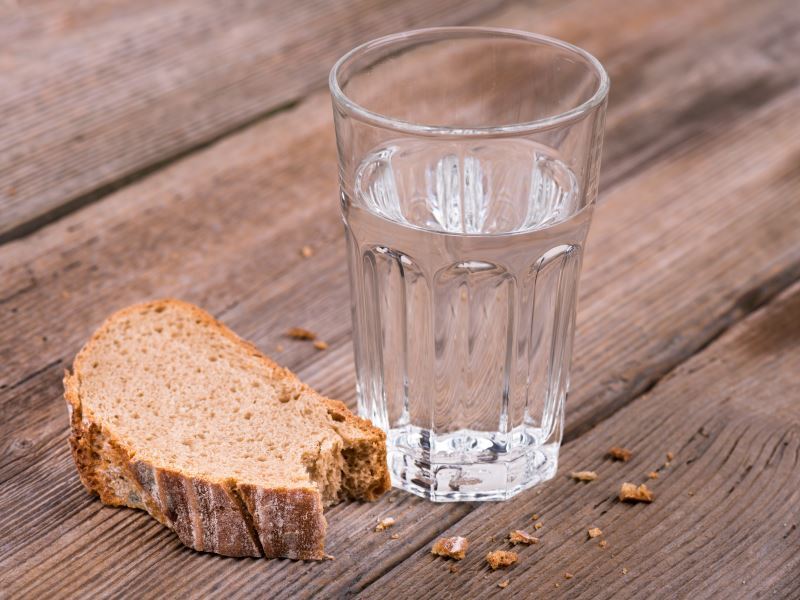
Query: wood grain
(99, 93)
(724, 522)
(666, 272)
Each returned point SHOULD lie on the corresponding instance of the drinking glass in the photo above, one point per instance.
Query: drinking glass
(468, 166)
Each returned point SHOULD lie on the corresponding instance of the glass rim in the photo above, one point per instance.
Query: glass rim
(544, 123)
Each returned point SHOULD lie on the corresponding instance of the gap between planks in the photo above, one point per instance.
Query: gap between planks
(55, 213)
(752, 310)
(723, 422)
(142, 166)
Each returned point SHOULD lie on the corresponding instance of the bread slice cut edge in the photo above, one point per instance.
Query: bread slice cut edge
(223, 516)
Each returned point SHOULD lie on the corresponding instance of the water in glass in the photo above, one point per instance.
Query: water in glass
(464, 259)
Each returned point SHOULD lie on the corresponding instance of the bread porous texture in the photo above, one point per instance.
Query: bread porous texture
(172, 413)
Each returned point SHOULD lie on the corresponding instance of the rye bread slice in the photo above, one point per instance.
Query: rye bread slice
(172, 413)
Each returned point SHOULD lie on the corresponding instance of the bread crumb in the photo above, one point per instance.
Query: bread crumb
(306, 252)
(503, 584)
(583, 475)
(395, 536)
(279, 348)
(629, 492)
(690, 493)
(537, 525)
(501, 558)
(624, 570)
(384, 524)
(535, 517)
(328, 557)
(451, 547)
(618, 453)
(670, 456)
(603, 543)
(299, 333)
(594, 532)
(557, 584)
(568, 575)
(522, 537)
(653, 474)
(320, 345)
(454, 568)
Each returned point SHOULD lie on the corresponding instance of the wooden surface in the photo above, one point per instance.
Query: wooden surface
(101, 93)
(179, 149)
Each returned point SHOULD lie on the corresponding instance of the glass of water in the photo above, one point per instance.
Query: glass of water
(468, 165)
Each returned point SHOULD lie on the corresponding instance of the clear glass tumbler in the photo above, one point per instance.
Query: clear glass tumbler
(468, 165)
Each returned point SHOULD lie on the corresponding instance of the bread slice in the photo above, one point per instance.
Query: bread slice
(172, 413)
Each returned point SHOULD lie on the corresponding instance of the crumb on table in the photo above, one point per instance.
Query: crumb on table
(653, 475)
(451, 547)
(583, 475)
(384, 523)
(618, 453)
(503, 584)
(320, 345)
(629, 492)
(595, 532)
(568, 575)
(501, 558)
(306, 252)
(518, 536)
(298, 333)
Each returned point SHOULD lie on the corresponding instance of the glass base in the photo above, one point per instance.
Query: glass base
(468, 466)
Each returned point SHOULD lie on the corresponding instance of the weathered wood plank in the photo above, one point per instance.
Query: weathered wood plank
(724, 523)
(218, 245)
(100, 92)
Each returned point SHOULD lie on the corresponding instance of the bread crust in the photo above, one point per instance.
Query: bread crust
(224, 517)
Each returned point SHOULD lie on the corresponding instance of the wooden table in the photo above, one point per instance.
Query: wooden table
(185, 148)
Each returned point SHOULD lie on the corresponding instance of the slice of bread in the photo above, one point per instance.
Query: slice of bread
(172, 413)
